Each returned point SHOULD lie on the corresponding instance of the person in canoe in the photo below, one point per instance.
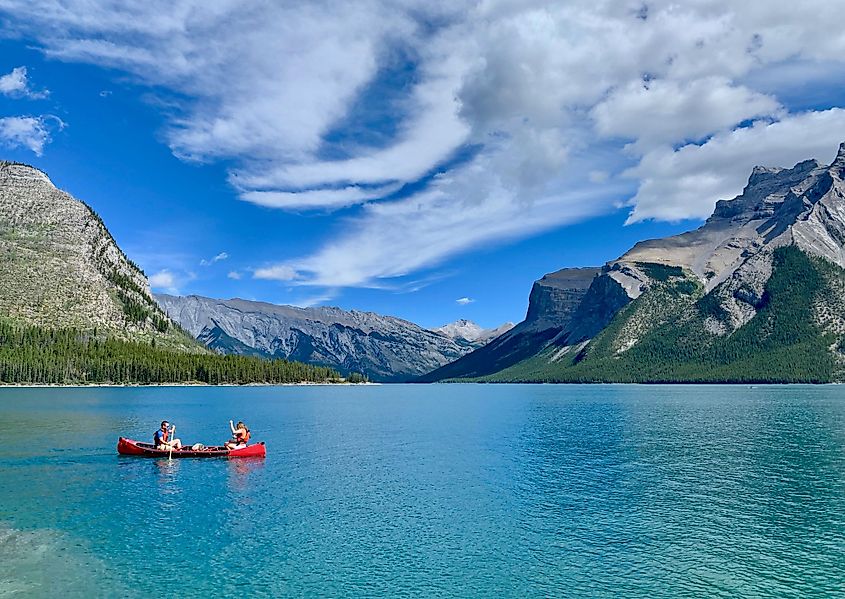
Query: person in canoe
(240, 436)
(162, 437)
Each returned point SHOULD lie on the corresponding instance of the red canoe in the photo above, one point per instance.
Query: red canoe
(148, 450)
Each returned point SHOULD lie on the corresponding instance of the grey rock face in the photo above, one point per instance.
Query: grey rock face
(382, 347)
(60, 266)
(556, 296)
(553, 302)
(802, 205)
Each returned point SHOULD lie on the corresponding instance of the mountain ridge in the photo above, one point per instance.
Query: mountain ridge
(711, 283)
(384, 348)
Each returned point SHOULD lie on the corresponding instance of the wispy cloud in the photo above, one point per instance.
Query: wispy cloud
(218, 258)
(16, 85)
(279, 272)
(463, 301)
(316, 300)
(31, 132)
(547, 103)
(234, 275)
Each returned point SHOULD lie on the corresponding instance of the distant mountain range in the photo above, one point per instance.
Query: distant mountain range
(755, 294)
(383, 348)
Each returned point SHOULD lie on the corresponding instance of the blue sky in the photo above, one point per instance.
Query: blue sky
(400, 156)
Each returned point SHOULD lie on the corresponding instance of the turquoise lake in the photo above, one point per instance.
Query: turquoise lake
(428, 490)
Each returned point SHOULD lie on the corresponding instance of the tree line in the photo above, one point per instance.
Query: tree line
(32, 354)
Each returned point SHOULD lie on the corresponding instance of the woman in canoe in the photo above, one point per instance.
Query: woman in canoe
(240, 436)
(162, 440)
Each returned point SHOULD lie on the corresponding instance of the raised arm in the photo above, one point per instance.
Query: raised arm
(232, 426)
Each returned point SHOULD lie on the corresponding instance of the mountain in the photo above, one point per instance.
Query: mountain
(465, 332)
(551, 306)
(381, 347)
(754, 294)
(74, 309)
(61, 268)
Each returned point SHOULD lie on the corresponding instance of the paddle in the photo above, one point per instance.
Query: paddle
(172, 434)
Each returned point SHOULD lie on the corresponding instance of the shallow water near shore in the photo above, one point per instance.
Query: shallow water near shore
(429, 490)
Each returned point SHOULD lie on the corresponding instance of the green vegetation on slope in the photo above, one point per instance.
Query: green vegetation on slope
(31, 354)
(781, 343)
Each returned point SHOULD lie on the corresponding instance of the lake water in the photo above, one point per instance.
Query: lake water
(439, 490)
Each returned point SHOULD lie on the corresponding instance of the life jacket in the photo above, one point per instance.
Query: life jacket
(243, 438)
(160, 437)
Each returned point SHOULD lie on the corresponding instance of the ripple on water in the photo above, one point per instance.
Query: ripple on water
(600, 491)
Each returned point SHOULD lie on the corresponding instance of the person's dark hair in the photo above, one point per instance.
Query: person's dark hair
(163, 422)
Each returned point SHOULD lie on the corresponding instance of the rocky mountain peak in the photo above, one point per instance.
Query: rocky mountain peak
(467, 331)
(23, 172)
(61, 267)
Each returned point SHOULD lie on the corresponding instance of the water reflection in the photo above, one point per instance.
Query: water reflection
(444, 490)
(696, 486)
(168, 471)
(242, 471)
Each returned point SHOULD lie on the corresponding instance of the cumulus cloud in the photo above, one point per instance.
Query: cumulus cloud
(164, 280)
(686, 182)
(16, 85)
(510, 118)
(463, 301)
(234, 275)
(31, 132)
(661, 112)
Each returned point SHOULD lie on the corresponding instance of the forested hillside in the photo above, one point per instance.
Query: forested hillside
(31, 354)
(662, 336)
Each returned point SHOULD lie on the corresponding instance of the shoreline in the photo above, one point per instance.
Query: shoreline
(135, 385)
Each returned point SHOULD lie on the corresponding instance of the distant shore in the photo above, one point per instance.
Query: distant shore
(192, 384)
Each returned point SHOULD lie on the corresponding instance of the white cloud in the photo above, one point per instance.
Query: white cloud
(316, 300)
(16, 85)
(319, 199)
(687, 182)
(398, 238)
(544, 102)
(218, 258)
(660, 112)
(279, 272)
(463, 301)
(31, 132)
(164, 280)
(234, 275)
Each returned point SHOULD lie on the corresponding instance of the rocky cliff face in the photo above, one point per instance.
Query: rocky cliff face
(382, 347)
(60, 266)
(553, 301)
(801, 206)
(709, 284)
